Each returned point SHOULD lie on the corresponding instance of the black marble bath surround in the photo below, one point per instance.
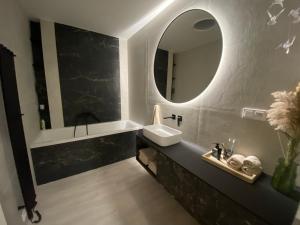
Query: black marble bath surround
(62, 160)
(89, 74)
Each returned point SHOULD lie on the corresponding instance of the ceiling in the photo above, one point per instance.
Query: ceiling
(111, 17)
(181, 35)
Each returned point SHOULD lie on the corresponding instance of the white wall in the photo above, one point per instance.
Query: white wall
(2, 218)
(249, 71)
(15, 35)
(52, 74)
(194, 70)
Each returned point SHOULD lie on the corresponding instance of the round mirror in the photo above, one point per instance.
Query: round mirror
(188, 56)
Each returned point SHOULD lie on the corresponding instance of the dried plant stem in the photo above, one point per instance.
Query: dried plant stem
(291, 153)
(281, 145)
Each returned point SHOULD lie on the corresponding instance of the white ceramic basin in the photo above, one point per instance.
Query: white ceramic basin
(162, 135)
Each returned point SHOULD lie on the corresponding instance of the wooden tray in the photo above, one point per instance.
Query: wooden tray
(222, 164)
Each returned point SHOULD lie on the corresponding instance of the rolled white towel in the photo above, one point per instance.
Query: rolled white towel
(236, 161)
(146, 155)
(152, 166)
(252, 166)
(144, 159)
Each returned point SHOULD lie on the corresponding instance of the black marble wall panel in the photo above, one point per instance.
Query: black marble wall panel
(161, 70)
(59, 161)
(39, 72)
(202, 201)
(89, 73)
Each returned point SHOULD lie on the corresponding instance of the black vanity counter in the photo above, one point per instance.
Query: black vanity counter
(259, 198)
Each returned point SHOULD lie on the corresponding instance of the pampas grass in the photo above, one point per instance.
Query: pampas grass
(284, 116)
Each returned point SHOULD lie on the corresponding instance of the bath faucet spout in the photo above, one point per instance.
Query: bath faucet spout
(173, 117)
(85, 116)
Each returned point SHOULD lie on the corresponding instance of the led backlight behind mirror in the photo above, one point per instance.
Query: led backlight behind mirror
(188, 56)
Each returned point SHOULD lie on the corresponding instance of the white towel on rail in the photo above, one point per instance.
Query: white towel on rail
(156, 114)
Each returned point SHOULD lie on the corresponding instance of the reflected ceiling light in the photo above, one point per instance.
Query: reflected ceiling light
(204, 25)
(145, 20)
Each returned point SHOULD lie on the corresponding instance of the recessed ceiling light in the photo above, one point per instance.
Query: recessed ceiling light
(205, 24)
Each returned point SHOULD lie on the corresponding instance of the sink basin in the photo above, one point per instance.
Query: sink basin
(162, 135)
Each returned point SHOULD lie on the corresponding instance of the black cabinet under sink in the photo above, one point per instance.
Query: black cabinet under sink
(201, 200)
(214, 197)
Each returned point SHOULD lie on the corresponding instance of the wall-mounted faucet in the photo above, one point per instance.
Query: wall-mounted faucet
(85, 116)
(173, 117)
(179, 120)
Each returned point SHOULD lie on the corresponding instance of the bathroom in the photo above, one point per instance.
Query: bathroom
(94, 79)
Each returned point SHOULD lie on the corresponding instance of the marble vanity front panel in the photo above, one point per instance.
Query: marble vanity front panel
(201, 200)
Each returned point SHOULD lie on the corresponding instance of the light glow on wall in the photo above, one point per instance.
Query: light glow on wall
(145, 20)
(214, 82)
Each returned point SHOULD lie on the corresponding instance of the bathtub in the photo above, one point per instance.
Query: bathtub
(66, 134)
(57, 154)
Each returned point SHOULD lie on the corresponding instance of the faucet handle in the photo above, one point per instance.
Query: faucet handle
(179, 120)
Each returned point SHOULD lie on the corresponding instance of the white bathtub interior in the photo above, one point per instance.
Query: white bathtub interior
(66, 134)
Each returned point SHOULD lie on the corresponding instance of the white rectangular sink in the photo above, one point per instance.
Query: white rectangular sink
(162, 135)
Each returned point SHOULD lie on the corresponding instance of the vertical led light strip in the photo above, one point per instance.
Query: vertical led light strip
(145, 20)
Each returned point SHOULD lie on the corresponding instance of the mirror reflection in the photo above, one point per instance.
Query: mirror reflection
(188, 56)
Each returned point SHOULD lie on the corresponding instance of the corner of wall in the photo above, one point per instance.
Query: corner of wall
(15, 35)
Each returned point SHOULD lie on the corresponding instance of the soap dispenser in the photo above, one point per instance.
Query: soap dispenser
(217, 151)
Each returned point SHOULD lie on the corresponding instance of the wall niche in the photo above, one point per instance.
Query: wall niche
(39, 72)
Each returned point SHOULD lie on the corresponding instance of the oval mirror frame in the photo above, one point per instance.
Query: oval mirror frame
(198, 43)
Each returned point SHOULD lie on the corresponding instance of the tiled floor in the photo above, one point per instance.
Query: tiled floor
(119, 194)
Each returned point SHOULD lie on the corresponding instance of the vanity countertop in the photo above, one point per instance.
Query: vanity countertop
(259, 198)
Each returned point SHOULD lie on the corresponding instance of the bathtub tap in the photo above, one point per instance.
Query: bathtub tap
(85, 116)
